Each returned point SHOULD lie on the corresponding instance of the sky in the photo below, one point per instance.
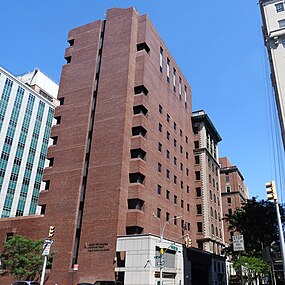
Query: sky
(217, 44)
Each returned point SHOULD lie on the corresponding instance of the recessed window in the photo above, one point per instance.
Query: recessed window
(181, 133)
(182, 204)
(180, 87)
(197, 175)
(167, 69)
(175, 220)
(181, 149)
(230, 211)
(158, 191)
(54, 140)
(138, 153)
(143, 46)
(61, 100)
(279, 7)
(168, 154)
(57, 119)
(175, 142)
(196, 144)
(188, 207)
(181, 184)
(168, 135)
(158, 212)
(186, 139)
(174, 126)
(71, 42)
(174, 79)
(211, 195)
(168, 118)
(175, 160)
(187, 171)
(136, 178)
(68, 59)
(140, 89)
(175, 179)
(47, 185)
(187, 188)
(281, 23)
(135, 204)
(227, 178)
(186, 155)
(228, 189)
(167, 173)
(199, 209)
(167, 194)
(160, 127)
(198, 192)
(140, 109)
(197, 159)
(51, 161)
(229, 200)
(159, 146)
(167, 217)
(199, 227)
(161, 59)
(139, 131)
(160, 109)
(181, 166)
(175, 199)
(159, 167)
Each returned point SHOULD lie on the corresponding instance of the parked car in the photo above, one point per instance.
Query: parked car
(26, 283)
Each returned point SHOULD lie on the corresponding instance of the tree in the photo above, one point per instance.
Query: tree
(257, 222)
(253, 268)
(22, 257)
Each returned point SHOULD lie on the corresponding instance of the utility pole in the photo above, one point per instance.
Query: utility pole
(272, 195)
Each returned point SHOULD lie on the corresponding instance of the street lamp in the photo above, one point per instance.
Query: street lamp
(160, 241)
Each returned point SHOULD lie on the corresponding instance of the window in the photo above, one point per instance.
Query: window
(181, 184)
(158, 212)
(186, 139)
(168, 135)
(210, 179)
(227, 178)
(181, 149)
(181, 166)
(197, 159)
(182, 204)
(175, 142)
(140, 109)
(135, 204)
(159, 146)
(168, 154)
(279, 7)
(197, 175)
(175, 220)
(186, 155)
(229, 200)
(175, 199)
(139, 131)
(159, 167)
(228, 189)
(160, 59)
(57, 119)
(168, 118)
(143, 46)
(198, 192)
(174, 126)
(136, 178)
(188, 207)
(174, 79)
(167, 69)
(199, 227)
(159, 189)
(61, 100)
(281, 23)
(167, 173)
(185, 93)
(196, 144)
(160, 127)
(167, 218)
(167, 194)
(187, 171)
(175, 160)
(230, 211)
(138, 153)
(160, 109)
(199, 209)
(175, 179)
(180, 87)
(181, 133)
(187, 188)
(140, 89)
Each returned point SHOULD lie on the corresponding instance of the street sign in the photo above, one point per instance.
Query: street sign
(238, 243)
(75, 267)
(46, 246)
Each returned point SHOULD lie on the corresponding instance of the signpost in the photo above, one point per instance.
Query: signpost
(238, 243)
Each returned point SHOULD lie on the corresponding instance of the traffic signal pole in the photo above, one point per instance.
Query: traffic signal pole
(272, 195)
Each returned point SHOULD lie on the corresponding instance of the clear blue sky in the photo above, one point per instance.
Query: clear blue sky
(217, 44)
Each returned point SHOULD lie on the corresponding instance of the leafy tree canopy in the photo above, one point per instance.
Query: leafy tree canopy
(22, 257)
(257, 222)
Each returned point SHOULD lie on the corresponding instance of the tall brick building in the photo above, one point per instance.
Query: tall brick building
(234, 192)
(121, 170)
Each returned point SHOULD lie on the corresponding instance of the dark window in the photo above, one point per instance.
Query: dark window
(167, 218)
(230, 211)
(188, 207)
(140, 109)
(138, 153)
(136, 178)
(197, 175)
(58, 119)
(160, 127)
(174, 142)
(167, 173)
(68, 59)
(175, 199)
(175, 160)
(197, 159)
(159, 167)
(181, 166)
(139, 131)
(187, 189)
(199, 209)
(160, 109)
(61, 100)
(159, 146)
(174, 126)
(175, 220)
(199, 227)
(196, 144)
(186, 139)
(198, 192)
(141, 89)
(54, 140)
(43, 209)
(181, 149)
(71, 42)
(229, 200)
(158, 212)
(181, 184)
(167, 154)
(182, 204)
(167, 118)
(181, 133)
(228, 189)
(168, 135)
(175, 179)
(195, 130)
(143, 46)
(158, 189)
(167, 194)
(135, 204)
(187, 171)
(134, 230)
(47, 184)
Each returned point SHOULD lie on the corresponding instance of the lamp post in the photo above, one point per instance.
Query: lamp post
(161, 230)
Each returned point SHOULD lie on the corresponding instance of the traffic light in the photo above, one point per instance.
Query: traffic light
(271, 191)
(161, 251)
(188, 242)
(51, 231)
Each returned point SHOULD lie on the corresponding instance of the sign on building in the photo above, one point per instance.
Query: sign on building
(238, 243)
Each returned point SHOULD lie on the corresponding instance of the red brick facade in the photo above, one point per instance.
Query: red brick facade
(124, 148)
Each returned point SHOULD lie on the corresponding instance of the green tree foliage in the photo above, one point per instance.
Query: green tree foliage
(253, 268)
(22, 257)
(257, 222)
